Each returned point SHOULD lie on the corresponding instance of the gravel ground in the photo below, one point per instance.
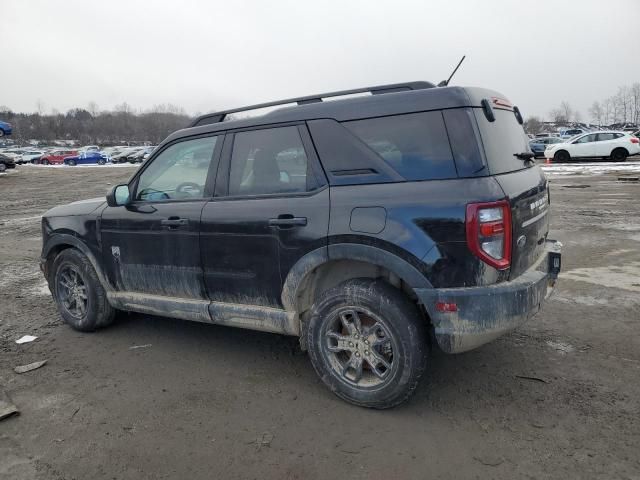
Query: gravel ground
(153, 398)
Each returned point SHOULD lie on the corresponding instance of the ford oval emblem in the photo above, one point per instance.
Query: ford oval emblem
(522, 240)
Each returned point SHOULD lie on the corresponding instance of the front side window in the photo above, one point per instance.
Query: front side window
(415, 145)
(268, 161)
(586, 139)
(179, 172)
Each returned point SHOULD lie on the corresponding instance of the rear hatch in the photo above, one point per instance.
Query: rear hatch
(522, 181)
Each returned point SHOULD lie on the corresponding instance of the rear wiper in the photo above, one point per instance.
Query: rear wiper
(524, 155)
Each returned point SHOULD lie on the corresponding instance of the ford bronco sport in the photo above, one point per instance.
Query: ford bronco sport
(370, 227)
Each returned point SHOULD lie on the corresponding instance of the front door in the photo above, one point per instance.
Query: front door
(152, 245)
(584, 146)
(270, 208)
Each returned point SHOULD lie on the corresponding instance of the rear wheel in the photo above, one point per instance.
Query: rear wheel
(81, 299)
(619, 155)
(72, 163)
(561, 156)
(3, 167)
(101, 162)
(367, 342)
(45, 162)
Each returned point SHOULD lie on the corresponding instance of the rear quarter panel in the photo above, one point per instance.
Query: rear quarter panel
(424, 225)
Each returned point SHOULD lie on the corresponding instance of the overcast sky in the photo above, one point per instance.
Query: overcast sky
(207, 55)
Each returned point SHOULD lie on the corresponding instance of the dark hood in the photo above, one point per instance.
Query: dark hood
(81, 207)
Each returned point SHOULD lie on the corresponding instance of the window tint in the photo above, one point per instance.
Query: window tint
(602, 137)
(268, 161)
(587, 139)
(415, 145)
(464, 142)
(501, 140)
(179, 172)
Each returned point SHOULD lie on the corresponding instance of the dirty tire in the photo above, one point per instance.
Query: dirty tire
(561, 156)
(619, 155)
(400, 326)
(3, 167)
(97, 311)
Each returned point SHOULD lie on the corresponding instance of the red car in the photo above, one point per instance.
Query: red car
(56, 157)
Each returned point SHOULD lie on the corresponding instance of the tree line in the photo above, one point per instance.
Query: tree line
(614, 111)
(90, 125)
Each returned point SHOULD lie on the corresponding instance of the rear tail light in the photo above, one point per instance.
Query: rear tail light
(489, 232)
(635, 140)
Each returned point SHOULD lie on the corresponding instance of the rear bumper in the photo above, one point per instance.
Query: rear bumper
(486, 313)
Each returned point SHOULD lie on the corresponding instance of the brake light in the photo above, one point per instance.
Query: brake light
(635, 140)
(488, 228)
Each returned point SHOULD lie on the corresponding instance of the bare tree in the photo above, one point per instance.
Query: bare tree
(597, 113)
(558, 116)
(93, 109)
(533, 125)
(566, 110)
(40, 107)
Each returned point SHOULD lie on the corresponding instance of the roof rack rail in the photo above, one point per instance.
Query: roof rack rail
(217, 117)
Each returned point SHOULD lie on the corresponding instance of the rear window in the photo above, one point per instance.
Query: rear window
(502, 139)
(415, 145)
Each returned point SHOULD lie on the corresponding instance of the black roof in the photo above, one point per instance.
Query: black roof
(421, 96)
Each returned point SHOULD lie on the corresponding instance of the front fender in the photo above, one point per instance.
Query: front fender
(67, 240)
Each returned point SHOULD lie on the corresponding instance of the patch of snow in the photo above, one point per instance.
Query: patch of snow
(599, 168)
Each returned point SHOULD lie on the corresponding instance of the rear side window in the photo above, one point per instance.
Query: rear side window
(268, 161)
(502, 139)
(415, 145)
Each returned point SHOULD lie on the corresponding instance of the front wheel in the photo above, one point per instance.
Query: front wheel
(3, 167)
(81, 299)
(561, 156)
(101, 162)
(367, 342)
(45, 162)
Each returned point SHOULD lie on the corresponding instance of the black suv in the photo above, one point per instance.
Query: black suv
(6, 163)
(365, 226)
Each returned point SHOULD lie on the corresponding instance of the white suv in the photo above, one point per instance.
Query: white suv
(616, 146)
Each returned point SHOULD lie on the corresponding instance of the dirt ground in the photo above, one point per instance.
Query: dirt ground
(153, 398)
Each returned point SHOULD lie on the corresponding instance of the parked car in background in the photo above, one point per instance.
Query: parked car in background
(27, 156)
(140, 155)
(122, 156)
(616, 146)
(6, 163)
(538, 145)
(87, 158)
(572, 132)
(56, 157)
(5, 128)
(89, 148)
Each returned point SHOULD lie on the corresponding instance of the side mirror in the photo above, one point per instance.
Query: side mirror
(119, 196)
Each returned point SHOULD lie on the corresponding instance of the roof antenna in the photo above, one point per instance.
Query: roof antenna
(444, 83)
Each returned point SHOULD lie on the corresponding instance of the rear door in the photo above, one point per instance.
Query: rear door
(523, 183)
(271, 207)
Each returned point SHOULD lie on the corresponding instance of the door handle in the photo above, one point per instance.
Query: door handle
(174, 222)
(288, 221)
